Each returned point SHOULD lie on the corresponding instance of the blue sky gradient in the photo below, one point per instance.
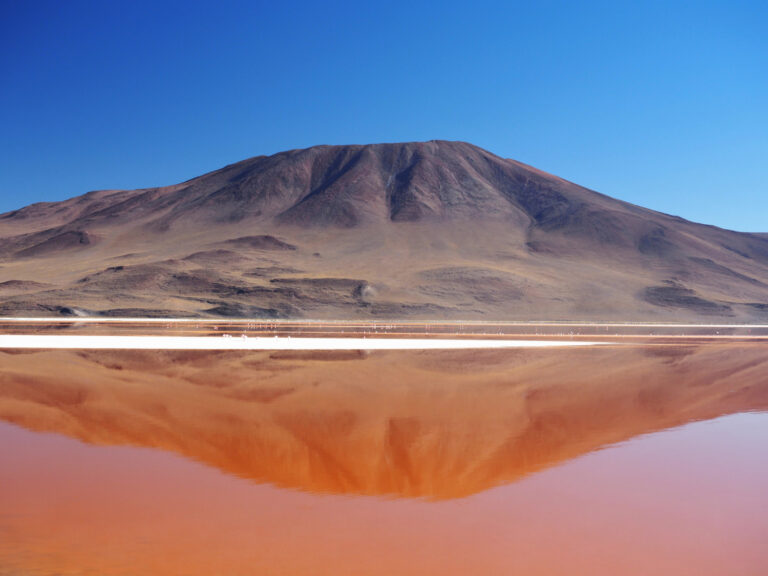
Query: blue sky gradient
(663, 104)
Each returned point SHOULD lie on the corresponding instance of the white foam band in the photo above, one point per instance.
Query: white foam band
(265, 343)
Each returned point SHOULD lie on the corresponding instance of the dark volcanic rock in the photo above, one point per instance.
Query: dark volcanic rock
(23, 307)
(58, 243)
(20, 286)
(655, 243)
(138, 313)
(264, 242)
(676, 296)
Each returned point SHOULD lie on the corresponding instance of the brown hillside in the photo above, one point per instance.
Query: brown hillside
(430, 230)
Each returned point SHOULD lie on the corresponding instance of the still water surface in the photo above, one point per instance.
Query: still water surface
(612, 460)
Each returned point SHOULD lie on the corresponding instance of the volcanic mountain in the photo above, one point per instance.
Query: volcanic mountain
(416, 230)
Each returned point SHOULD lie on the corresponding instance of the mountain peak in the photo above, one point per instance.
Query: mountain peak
(413, 229)
(353, 185)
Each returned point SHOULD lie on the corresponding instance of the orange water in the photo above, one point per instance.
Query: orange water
(669, 497)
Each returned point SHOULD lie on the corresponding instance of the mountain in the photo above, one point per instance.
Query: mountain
(416, 230)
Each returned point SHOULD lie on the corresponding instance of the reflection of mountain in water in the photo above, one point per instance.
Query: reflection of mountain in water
(414, 424)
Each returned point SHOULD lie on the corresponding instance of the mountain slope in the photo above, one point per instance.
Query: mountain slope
(432, 229)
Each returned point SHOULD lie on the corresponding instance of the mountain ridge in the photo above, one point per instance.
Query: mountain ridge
(434, 229)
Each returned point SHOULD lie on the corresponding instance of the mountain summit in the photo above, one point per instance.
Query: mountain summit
(426, 229)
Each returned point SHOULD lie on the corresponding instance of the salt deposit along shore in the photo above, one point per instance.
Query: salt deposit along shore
(28, 341)
(369, 323)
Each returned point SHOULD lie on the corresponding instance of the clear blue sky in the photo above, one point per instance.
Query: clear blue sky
(664, 104)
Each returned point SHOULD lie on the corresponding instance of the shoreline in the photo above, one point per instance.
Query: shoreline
(369, 323)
